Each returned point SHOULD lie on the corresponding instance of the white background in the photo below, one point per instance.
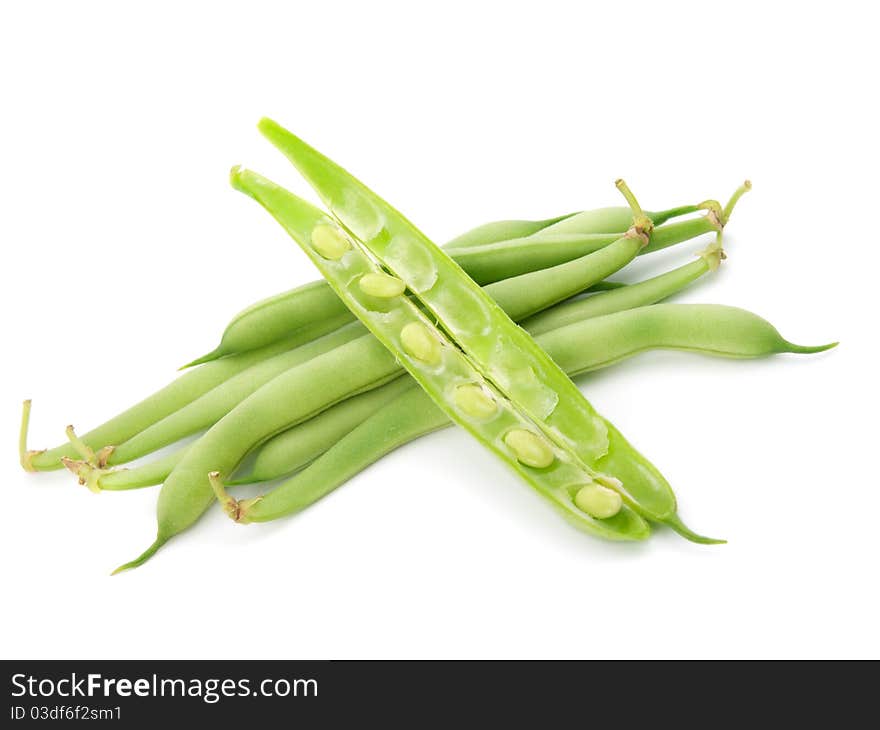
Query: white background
(126, 253)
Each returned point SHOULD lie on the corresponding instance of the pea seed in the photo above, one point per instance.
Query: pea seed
(475, 401)
(381, 285)
(330, 242)
(598, 501)
(420, 342)
(529, 448)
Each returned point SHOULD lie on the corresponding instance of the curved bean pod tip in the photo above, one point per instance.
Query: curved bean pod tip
(674, 522)
(215, 354)
(808, 349)
(143, 557)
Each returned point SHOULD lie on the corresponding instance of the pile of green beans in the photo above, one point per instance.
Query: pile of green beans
(401, 339)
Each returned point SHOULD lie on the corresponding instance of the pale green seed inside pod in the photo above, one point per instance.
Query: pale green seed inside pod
(529, 448)
(598, 501)
(475, 401)
(377, 284)
(330, 242)
(420, 342)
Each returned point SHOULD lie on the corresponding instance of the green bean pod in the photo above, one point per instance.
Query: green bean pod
(710, 329)
(297, 446)
(276, 317)
(502, 352)
(504, 230)
(579, 348)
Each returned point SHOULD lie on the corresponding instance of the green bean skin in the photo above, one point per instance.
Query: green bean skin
(496, 231)
(579, 348)
(186, 388)
(276, 317)
(406, 417)
(673, 233)
(297, 446)
(526, 295)
(710, 329)
(661, 216)
(147, 475)
(627, 297)
(606, 285)
(201, 413)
